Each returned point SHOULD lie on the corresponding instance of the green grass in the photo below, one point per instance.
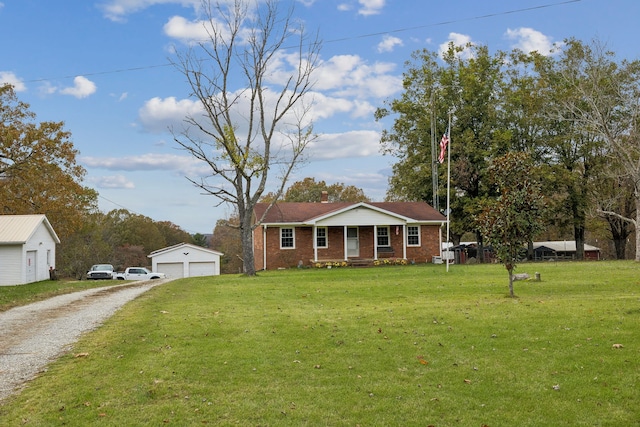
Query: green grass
(410, 346)
(12, 296)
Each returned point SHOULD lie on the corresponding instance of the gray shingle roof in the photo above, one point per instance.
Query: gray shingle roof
(288, 212)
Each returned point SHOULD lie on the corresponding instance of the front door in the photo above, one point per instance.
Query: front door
(353, 243)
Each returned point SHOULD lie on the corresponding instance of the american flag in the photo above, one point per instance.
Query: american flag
(443, 148)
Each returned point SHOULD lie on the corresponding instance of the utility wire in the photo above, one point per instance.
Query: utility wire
(338, 40)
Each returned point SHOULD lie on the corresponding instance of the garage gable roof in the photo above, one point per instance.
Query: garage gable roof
(18, 229)
(307, 213)
(182, 247)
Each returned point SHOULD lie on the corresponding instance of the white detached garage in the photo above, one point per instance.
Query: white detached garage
(186, 260)
(27, 249)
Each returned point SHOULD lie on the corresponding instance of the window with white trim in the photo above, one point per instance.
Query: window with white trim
(287, 238)
(413, 235)
(383, 236)
(321, 237)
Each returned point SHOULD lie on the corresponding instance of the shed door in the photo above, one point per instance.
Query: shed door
(353, 244)
(31, 267)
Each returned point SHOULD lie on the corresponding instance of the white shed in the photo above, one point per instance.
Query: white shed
(27, 249)
(186, 260)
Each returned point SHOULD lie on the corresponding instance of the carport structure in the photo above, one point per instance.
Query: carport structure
(186, 260)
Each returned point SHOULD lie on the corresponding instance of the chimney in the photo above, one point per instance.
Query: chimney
(325, 197)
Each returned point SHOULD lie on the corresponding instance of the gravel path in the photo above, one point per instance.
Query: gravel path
(34, 335)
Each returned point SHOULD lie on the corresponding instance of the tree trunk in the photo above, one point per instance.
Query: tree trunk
(480, 251)
(619, 233)
(511, 293)
(246, 233)
(578, 232)
(637, 221)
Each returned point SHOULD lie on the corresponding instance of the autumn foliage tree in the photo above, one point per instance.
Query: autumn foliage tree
(515, 217)
(38, 169)
(309, 190)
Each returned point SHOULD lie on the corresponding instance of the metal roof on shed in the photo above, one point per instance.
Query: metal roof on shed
(17, 229)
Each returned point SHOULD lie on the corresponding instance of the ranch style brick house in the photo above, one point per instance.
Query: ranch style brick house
(296, 234)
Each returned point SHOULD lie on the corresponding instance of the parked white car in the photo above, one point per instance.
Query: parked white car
(100, 271)
(139, 273)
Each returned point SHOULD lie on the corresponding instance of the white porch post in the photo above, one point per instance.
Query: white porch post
(344, 243)
(375, 242)
(264, 247)
(315, 244)
(404, 241)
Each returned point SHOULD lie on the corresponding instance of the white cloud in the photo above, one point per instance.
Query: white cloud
(159, 115)
(388, 43)
(350, 76)
(12, 79)
(82, 87)
(370, 7)
(359, 143)
(459, 40)
(184, 30)
(184, 165)
(529, 40)
(112, 181)
(344, 7)
(117, 10)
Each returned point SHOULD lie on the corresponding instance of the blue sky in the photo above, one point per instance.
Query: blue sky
(101, 67)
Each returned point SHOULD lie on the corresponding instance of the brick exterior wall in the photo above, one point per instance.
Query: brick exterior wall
(303, 251)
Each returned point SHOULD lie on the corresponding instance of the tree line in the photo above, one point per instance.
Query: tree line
(573, 111)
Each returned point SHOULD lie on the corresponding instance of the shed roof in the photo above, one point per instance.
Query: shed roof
(18, 229)
(293, 212)
(563, 246)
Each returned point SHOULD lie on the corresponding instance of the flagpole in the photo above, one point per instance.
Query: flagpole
(448, 193)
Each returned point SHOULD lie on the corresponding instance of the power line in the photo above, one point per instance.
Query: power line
(337, 40)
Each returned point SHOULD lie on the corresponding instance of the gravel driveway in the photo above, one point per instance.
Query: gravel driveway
(34, 335)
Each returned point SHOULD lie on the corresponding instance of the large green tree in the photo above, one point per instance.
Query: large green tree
(598, 96)
(463, 84)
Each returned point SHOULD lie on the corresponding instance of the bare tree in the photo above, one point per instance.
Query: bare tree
(252, 74)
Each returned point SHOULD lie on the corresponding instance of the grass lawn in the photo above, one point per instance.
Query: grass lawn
(386, 346)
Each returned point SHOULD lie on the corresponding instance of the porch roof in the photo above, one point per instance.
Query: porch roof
(310, 213)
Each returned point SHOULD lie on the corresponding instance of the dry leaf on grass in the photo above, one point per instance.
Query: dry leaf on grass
(81, 355)
(617, 346)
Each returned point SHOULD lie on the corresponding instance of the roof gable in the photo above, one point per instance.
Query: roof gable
(311, 213)
(18, 229)
(182, 246)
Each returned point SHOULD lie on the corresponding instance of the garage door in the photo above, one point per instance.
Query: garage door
(202, 269)
(173, 270)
